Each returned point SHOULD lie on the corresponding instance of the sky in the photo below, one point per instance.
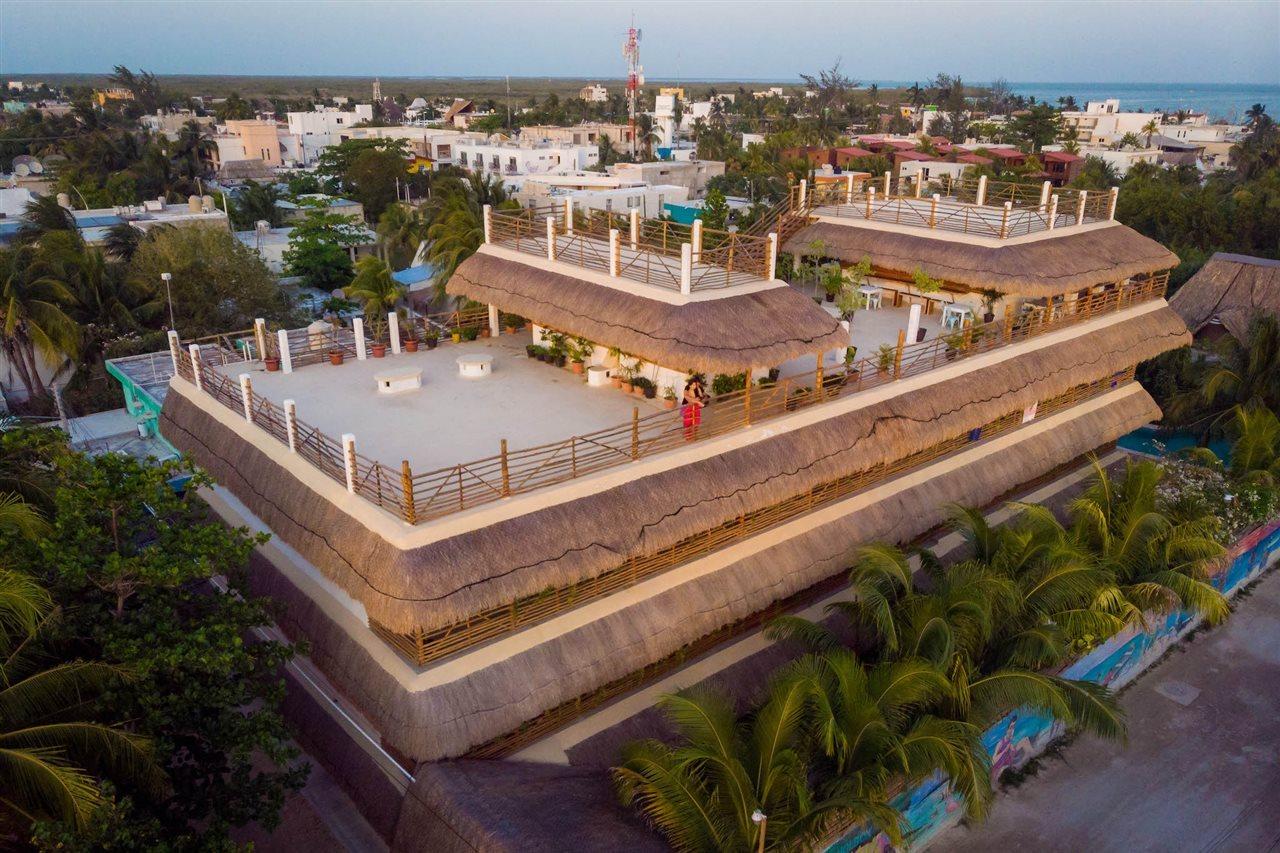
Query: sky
(1140, 41)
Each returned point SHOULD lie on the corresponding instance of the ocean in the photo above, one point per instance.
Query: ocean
(1219, 100)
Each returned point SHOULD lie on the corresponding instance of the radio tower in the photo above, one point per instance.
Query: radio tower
(377, 90)
(635, 75)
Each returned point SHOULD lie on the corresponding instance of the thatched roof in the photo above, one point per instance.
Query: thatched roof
(245, 170)
(450, 718)
(464, 806)
(456, 577)
(727, 335)
(1231, 289)
(1050, 266)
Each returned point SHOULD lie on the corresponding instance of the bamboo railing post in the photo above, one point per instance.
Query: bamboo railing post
(406, 486)
(196, 373)
(746, 402)
(897, 358)
(817, 379)
(1008, 322)
(551, 238)
(635, 433)
(506, 474)
(174, 346)
(1004, 219)
(871, 197)
(933, 210)
(1084, 197)
(349, 460)
(246, 396)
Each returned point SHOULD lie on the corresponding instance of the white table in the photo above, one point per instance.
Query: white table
(395, 381)
(475, 366)
(872, 297)
(956, 316)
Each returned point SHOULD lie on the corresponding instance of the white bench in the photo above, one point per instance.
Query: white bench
(396, 381)
(475, 366)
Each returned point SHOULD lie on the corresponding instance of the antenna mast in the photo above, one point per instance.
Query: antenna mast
(635, 75)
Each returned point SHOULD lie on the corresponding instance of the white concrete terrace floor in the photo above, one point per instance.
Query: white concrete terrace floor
(450, 420)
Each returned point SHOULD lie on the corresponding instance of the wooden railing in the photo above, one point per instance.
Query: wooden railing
(434, 494)
(747, 525)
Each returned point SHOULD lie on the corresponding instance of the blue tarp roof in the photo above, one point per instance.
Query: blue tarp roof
(412, 275)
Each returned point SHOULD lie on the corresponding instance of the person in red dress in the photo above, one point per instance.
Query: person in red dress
(695, 397)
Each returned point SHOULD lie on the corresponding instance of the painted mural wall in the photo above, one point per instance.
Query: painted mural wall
(932, 807)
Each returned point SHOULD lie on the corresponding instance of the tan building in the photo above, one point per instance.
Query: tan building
(258, 140)
(587, 133)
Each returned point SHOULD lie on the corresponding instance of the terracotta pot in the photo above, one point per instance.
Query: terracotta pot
(638, 390)
(335, 357)
(378, 350)
(511, 330)
(617, 381)
(411, 345)
(272, 363)
(484, 331)
(578, 367)
(627, 387)
(668, 404)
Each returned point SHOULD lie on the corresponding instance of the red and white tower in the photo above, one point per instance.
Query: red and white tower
(635, 75)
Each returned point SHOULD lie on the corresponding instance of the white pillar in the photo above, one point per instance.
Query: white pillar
(568, 216)
(919, 182)
(174, 346)
(686, 268)
(1053, 211)
(246, 394)
(804, 193)
(1045, 189)
(286, 358)
(697, 240)
(349, 460)
(194, 350)
(772, 272)
(635, 229)
(886, 184)
(848, 188)
(982, 190)
(291, 424)
(1084, 197)
(614, 261)
(871, 199)
(357, 329)
(1004, 219)
(1111, 208)
(488, 224)
(393, 328)
(551, 238)
(260, 337)
(493, 320)
(913, 324)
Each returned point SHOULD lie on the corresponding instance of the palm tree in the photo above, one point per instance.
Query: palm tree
(256, 203)
(377, 291)
(192, 149)
(1246, 377)
(1255, 113)
(43, 215)
(456, 231)
(1157, 560)
(1255, 455)
(122, 241)
(1151, 128)
(32, 318)
(401, 229)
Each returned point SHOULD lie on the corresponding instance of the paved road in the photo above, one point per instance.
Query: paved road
(1201, 771)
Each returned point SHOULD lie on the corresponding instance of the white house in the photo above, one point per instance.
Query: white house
(523, 158)
(324, 127)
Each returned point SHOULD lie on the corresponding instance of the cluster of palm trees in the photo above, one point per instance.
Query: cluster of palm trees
(903, 678)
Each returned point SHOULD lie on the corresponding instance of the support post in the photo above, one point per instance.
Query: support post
(488, 223)
(913, 324)
(746, 401)
(393, 328)
(804, 194)
(493, 320)
(817, 378)
(897, 357)
(1045, 189)
(982, 190)
(1008, 320)
(772, 272)
(1084, 197)
(246, 396)
(1004, 219)
(174, 345)
(686, 268)
(920, 183)
(1053, 211)
(848, 188)
(933, 210)
(697, 240)
(196, 372)
(291, 424)
(635, 433)
(357, 329)
(551, 238)
(568, 216)
(349, 460)
(286, 357)
(886, 184)
(406, 486)
(260, 337)
(506, 474)
(871, 198)
(1111, 206)
(635, 229)
(615, 262)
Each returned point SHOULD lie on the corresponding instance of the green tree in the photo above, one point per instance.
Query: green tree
(401, 229)
(256, 203)
(319, 249)
(35, 330)
(374, 179)
(377, 292)
(715, 211)
(1255, 455)
(233, 107)
(1036, 127)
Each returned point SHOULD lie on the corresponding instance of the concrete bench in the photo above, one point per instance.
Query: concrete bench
(395, 381)
(475, 366)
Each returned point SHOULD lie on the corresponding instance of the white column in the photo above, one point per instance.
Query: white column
(493, 320)
(260, 337)
(174, 345)
(349, 460)
(804, 193)
(635, 229)
(919, 183)
(1053, 211)
(568, 216)
(1084, 197)
(1111, 208)
(246, 394)
(686, 268)
(291, 424)
(194, 350)
(286, 358)
(848, 188)
(1045, 189)
(772, 271)
(982, 190)
(697, 240)
(886, 184)
(1004, 219)
(913, 324)
(393, 327)
(613, 252)
(551, 238)
(871, 199)
(488, 224)
(357, 329)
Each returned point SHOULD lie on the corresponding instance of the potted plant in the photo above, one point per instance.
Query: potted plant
(513, 323)
(431, 338)
(650, 388)
(456, 336)
(669, 397)
(540, 353)
(272, 363)
(774, 373)
(885, 357)
(335, 357)
(580, 350)
(470, 333)
(989, 298)
(797, 399)
(411, 344)
(832, 280)
(627, 369)
(957, 342)
(485, 331)
(378, 350)
(531, 350)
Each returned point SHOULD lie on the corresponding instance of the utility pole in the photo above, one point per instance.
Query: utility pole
(508, 103)
(635, 75)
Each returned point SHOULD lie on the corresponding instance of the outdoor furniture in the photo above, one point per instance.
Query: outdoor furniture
(396, 381)
(872, 296)
(956, 316)
(475, 366)
(597, 376)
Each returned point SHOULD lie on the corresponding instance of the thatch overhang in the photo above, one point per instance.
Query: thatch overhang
(563, 543)
(1232, 289)
(1045, 266)
(451, 718)
(715, 335)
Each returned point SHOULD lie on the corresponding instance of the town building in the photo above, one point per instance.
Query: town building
(172, 123)
(312, 132)
(263, 140)
(693, 175)
(594, 93)
(293, 211)
(523, 157)
(587, 133)
(541, 192)
(1226, 294)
